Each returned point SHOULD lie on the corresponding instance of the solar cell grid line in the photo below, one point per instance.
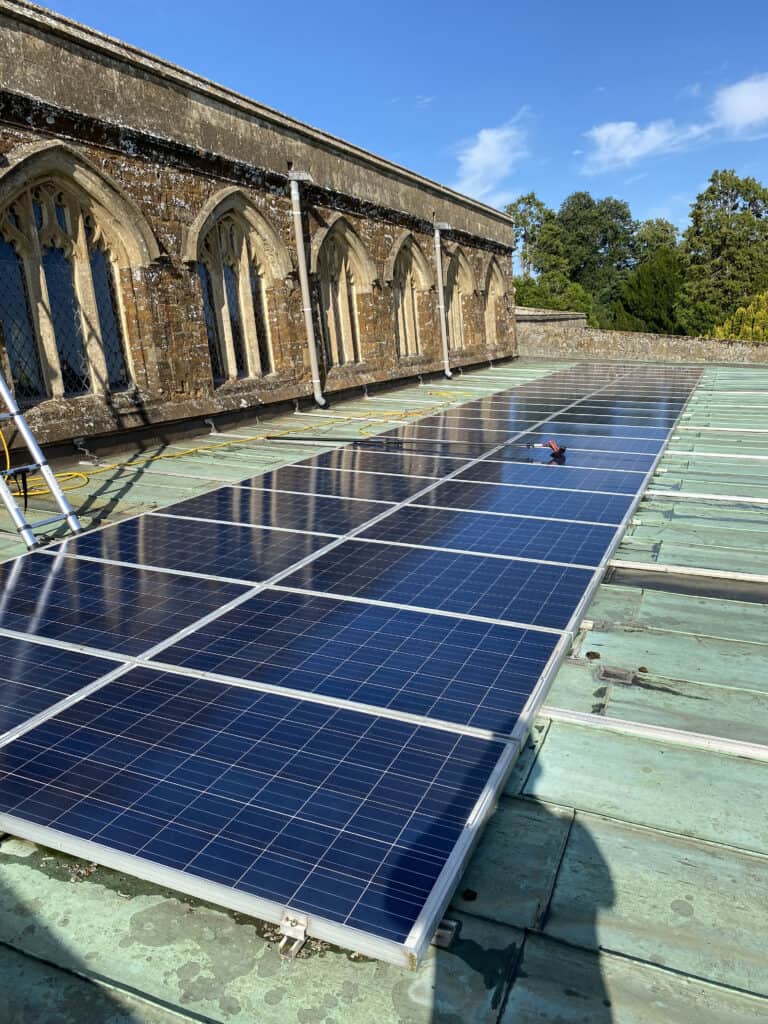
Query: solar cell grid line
(35, 678)
(616, 462)
(660, 422)
(556, 477)
(308, 480)
(355, 821)
(456, 671)
(314, 513)
(509, 591)
(213, 550)
(595, 442)
(406, 463)
(115, 609)
(609, 430)
(539, 502)
(489, 533)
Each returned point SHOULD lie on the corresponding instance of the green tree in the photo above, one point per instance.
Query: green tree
(725, 251)
(528, 213)
(553, 291)
(649, 293)
(592, 241)
(652, 235)
(748, 323)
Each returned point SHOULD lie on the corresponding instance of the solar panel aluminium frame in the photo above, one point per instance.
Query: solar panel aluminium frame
(406, 954)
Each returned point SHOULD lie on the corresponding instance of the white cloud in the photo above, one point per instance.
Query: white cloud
(743, 105)
(737, 111)
(424, 101)
(623, 143)
(488, 159)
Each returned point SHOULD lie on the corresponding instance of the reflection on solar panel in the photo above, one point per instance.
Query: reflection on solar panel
(542, 594)
(302, 694)
(226, 550)
(532, 501)
(512, 536)
(440, 667)
(34, 677)
(107, 607)
(310, 479)
(563, 477)
(314, 513)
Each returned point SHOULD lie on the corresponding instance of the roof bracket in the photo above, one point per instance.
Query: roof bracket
(447, 931)
(292, 926)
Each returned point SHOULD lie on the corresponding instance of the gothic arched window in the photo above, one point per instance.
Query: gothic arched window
(234, 301)
(458, 290)
(494, 294)
(59, 302)
(407, 284)
(338, 302)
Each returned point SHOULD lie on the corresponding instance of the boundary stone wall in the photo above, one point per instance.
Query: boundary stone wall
(566, 335)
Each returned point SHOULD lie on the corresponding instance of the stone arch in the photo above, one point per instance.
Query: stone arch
(495, 291)
(339, 229)
(458, 267)
(132, 242)
(235, 202)
(406, 239)
(459, 287)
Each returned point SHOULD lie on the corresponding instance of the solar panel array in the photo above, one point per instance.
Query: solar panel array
(302, 693)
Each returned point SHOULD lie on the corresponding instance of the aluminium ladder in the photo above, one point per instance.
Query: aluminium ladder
(37, 465)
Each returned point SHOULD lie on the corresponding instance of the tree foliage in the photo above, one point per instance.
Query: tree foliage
(554, 291)
(748, 323)
(528, 213)
(652, 235)
(591, 255)
(649, 293)
(725, 251)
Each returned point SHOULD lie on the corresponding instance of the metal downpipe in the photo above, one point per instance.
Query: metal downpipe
(441, 298)
(306, 300)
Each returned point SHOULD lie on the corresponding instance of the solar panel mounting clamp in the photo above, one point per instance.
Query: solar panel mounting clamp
(292, 926)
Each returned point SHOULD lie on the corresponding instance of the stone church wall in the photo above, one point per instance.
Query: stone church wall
(166, 143)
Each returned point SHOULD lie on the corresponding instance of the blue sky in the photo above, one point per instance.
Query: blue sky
(639, 101)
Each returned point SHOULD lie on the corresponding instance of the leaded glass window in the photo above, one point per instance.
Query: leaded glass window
(59, 300)
(234, 300)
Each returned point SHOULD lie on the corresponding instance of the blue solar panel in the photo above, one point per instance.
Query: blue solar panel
(108, 607)
(406, 464)
(311, 480)
(566, 426)
(486, 533)
(34, 677)
(215, 549)
(615, 418)
(530, 592)
(311, 512)
(456, 670)
(328, 811)
(600, 442)
(485, 436)
(565, 477)
(529, 501)
(344, 815)
(519, 452)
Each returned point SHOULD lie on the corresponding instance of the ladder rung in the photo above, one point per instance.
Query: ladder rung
(9, 415)
(46, 522)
